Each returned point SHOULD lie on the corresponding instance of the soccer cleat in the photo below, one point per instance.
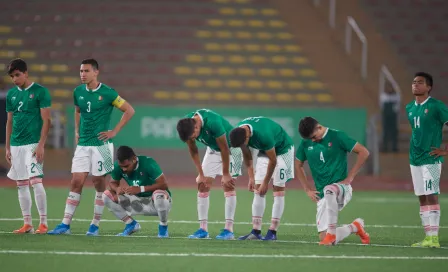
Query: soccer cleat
(94, 230)
(42, 229)
(365, 237)
(130, 228)
(24, 229)
(435, 242)
(226, 235)
(251, 236)
(427, 242)
(60, 229)
(163, 232)
(271, 235)
(329, 240)
(199, 234)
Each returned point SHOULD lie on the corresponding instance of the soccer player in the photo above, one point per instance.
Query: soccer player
(275, 161)
(213, 130)
(94, 102)
(29, 119)
(147, 193)
(326, 151)
(427, 116)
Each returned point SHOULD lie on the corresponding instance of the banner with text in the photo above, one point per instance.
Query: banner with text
(155, 126)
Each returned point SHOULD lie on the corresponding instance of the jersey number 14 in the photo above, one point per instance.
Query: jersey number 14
(416, 121)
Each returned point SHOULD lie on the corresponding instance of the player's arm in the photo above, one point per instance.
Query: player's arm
(225, 153)
(362, 155)
(114, 185)
(9, 122)
(160, 184)
(301, 176)
(248, 161)
(194, 154)
(77, 120)
(443, 118)
(45, 114)
(128, 112)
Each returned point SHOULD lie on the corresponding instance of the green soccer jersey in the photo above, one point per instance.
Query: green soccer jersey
(426, 120)
(327, 158)
(25, 106)
(267, 134)
(145, 174)
(213, 126)
(96, 109)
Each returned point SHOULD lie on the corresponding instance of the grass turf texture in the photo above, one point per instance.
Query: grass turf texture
(391, 219)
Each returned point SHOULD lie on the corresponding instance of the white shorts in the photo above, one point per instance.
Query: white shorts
(212, 163)
(23, 164)
(426, 179)
(96, 160)
(135, 205)
(343, 198)
(284, 171)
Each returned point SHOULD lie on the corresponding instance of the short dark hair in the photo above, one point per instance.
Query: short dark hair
(428, 78)
(92, 62)
(17, 64)
(307, 126)
(237, 137)
(125, 153)
(185, 128)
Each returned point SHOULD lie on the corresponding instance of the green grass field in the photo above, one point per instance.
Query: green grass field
(391, 219)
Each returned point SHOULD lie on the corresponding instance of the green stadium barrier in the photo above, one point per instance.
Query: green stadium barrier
(155, 126)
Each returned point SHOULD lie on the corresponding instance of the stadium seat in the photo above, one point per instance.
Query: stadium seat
(222, 96)
(215, 58)
(202, 96)
(272, 84)
(254, 84)
(38, 67)
(266, 72)
(302, 97)
(243, 96)
(243, 35)
(283, 97)
(245, 72)
(49, 80)
(225, 71)
(205, 71)
(223, 34)
(213, 83)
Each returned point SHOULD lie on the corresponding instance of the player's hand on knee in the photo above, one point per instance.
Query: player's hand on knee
(202, 181)
(251, 185)
(314, 195)
(120, 191)
(227, 181)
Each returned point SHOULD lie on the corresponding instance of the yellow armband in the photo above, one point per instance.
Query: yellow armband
(118, 102)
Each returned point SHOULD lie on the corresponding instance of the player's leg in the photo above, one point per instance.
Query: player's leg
(36, 173)
(80, 171)
(102, 164)
(111, 201)
(236, 158)
(259, 201)
(210, 167)
(18, 172)
(426, 180)
(161, 201)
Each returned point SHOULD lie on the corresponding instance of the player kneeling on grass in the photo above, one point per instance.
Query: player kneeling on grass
(147, 193)
(326, 151)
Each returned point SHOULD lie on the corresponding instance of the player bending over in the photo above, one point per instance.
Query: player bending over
(326, 151)
(94, 103)
(147, 193)
(212, 129)
(29, 119)
(427, 116)
(275, 161)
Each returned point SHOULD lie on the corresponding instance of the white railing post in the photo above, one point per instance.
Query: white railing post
(386, 75)
(353, 26)
(332, 16)
(56, 129)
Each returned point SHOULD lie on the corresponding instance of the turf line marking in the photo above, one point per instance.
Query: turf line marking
(185, 238)
(219, 222)
(155, 254)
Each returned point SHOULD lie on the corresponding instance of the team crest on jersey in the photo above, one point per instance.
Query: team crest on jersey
(81, 98)
(410, 114)
(330, 144)
(13, 98)
(310, 148)
(100, 98)
(141, 173)
(31, 96)
(426, 111)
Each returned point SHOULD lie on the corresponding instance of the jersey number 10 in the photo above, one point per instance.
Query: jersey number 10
(417, 122)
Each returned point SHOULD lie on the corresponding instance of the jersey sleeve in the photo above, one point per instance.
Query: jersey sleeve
(116, 173)
(44, 98)
(115, 99)
(217, 128)
(346, 142)
(300, 153)
(75, 101)
(153, 169)
(9, 107)
(443, 113)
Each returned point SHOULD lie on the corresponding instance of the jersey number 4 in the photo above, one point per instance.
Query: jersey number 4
(416, 121)
(322, 157)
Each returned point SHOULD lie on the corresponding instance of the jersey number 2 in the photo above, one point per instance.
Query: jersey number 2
(20, 106)
(416, 121)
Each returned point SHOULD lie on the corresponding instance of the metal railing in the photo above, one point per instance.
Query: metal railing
(373, 164)
(350, 27)
(331, 13)
(386, 76)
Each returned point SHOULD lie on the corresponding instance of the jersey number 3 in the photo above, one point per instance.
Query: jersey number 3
(416, 121)
(88, 106)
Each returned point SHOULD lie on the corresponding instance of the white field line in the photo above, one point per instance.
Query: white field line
(219, 222)
(278, 241)
(155, 254)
